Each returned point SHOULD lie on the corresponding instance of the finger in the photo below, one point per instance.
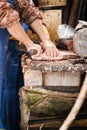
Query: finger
(28, 61)
(38, 49)
(48, 52)
(39, 52)
(36, 57)
(54, 52)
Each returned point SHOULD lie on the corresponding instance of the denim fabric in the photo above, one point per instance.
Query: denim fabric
(11, 79)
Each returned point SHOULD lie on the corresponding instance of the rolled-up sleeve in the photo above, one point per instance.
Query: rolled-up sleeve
(27, 11)
(8, 15)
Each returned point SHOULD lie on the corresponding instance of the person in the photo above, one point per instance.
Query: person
(11, 13)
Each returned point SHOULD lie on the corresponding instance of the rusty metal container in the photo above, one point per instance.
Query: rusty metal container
(51, 3)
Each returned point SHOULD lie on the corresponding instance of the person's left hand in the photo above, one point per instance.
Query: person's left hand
(49, 48)
(34, 48)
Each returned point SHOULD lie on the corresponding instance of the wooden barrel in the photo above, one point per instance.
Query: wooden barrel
(51, 3)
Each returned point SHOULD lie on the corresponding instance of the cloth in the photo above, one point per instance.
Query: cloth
(8, 16)
(3, 52)
(11, 79)
(25, 9)
(15, 81)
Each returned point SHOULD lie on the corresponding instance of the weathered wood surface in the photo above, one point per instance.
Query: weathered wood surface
(76, 107)
(56, 66)
(76, 125)
(44, 104)
(54, 73)
(56, 79)
(51, 3)
(52, 18)
(75, 12)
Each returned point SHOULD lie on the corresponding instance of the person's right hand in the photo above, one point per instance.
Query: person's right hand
(49, 48)
(34, 48)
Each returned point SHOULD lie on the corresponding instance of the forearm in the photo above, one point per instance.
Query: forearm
(18, 32)
(31, 16)
(9, 18)
(48, 46)
(38, 28)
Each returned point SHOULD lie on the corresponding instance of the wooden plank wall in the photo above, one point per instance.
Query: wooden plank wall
(46, 3)
(74, 10)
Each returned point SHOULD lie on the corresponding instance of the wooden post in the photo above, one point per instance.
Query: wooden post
(78, 104)
(75, 12)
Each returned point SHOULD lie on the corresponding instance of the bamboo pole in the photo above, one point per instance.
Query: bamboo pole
(75, 109)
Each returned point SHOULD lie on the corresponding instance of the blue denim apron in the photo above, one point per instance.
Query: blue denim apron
(3, 58)
(11, 79)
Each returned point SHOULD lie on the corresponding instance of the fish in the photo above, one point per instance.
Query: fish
(63, 55)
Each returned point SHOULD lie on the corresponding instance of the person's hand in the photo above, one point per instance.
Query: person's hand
(50, 48)
(34, 49)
